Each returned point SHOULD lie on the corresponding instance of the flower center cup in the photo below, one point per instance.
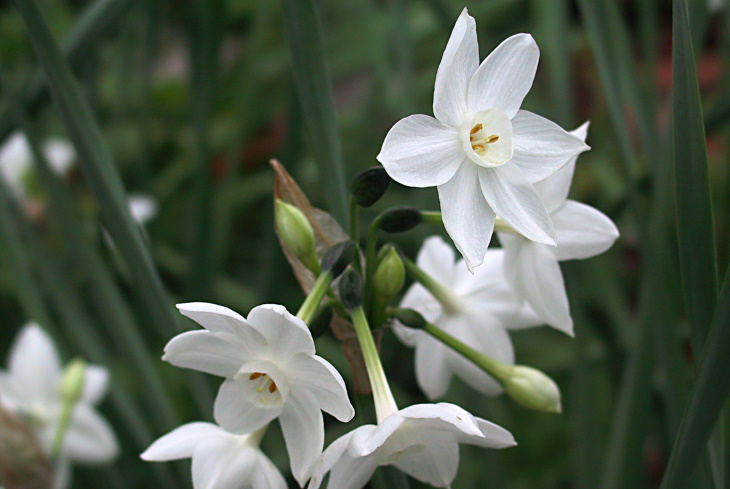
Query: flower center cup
(487, 138)
(261, 388)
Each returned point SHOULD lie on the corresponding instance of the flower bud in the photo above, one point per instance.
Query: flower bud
(400, 219)
(369, 186)
(72, 382)
(350, 288)
(339, 257)
(409, 317)
(533, 389)
(390, 275)
(296, 233)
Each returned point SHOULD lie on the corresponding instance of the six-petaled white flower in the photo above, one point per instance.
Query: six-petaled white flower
(480, 150)
(271, 370)
(16, 160)
(221, 460)
(421, 440)
(532, 269)
(31, 389)
(481, 306)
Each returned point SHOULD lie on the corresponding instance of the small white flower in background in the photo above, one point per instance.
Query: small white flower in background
(31, 389)
(421, 440)
(142, 207)
(532, 269)
(480, 150)
(16, 160)
(482, 309)
(221, 460)
(271, 370)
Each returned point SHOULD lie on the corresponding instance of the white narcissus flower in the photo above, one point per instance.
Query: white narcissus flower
(271, 370)
(532, 269)
(221, 460)
(421, 440)
(480, 150)
(31, 389)
(481, 309)
(16, 160)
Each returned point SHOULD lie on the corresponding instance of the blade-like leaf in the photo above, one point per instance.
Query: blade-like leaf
(314, 87)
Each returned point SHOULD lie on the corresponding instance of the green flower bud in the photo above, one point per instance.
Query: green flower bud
(297, 234)
(339, 257)
(400, 219)
(369, 186)
(409, 317)
(72, 382)
(350, 288)
(532, 389)
(390, 275)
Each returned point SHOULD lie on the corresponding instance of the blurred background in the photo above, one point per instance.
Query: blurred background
(192, 98)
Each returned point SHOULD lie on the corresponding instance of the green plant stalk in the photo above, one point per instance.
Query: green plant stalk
(354, 220)
(99, 168)
(449, 302)
(384, 402)
(371, 249)
(309, 307)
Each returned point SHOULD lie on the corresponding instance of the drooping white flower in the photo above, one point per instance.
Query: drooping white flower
(16, 160)
(532, 269)
(480, 150)
(221, 460)
(421, 440)
(480, 310)
(271, 371)
(31, 389)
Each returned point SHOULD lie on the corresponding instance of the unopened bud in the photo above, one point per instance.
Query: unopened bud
(369, 186)
(390, 275)
(409, 317)
(296, 233)
(339, 257)
(350, 288)
(400, 219)
(533, 389)
(72, 382)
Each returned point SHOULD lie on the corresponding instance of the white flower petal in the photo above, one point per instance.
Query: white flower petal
(181, 442)
(582, 231)
(266, 475)
(60, 154)
(420, 151)
(467, 217)
(494, 436)
(142, 207)
(514, 199)
(223, 463)
(421, 300)
(351, 473)
(533, 272)
(541, 146)
(235, 412)
(34, 364)
(432, 373)
(435, 463)
(285, 333)
(89, 438)
(436, 258)
(331, 457)
(505, 76)
(219, 319)
(366, 441)
(318, 376)
(303, 429)
(15, 162)
(206, 352)
(458, 63)
(441, 416)
(96, 383)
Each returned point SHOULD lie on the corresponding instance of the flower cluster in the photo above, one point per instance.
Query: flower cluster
(497, 168)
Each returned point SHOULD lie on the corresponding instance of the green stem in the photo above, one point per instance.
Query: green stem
(370, 259)
(432, 217)
(448, 300)
(384, 402)
(311, 303)
(354, 220)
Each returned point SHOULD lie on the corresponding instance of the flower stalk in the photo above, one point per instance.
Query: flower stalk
(310, 305)
(448, 300)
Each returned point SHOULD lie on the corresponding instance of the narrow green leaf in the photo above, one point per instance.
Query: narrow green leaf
(95, 22)
(314, 87)
(694, 206)
(709, 396)
(99, 168)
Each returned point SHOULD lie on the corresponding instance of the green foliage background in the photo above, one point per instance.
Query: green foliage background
(191, 98)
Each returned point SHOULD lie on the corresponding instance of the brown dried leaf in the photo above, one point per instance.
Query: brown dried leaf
(23, 465)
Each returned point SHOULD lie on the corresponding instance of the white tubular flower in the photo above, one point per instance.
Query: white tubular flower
(31, 389)
(480, 150)
(16, 160)
(221, 460)
(480, 309)
(532, 269)
(271, 371)
(421, 440)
